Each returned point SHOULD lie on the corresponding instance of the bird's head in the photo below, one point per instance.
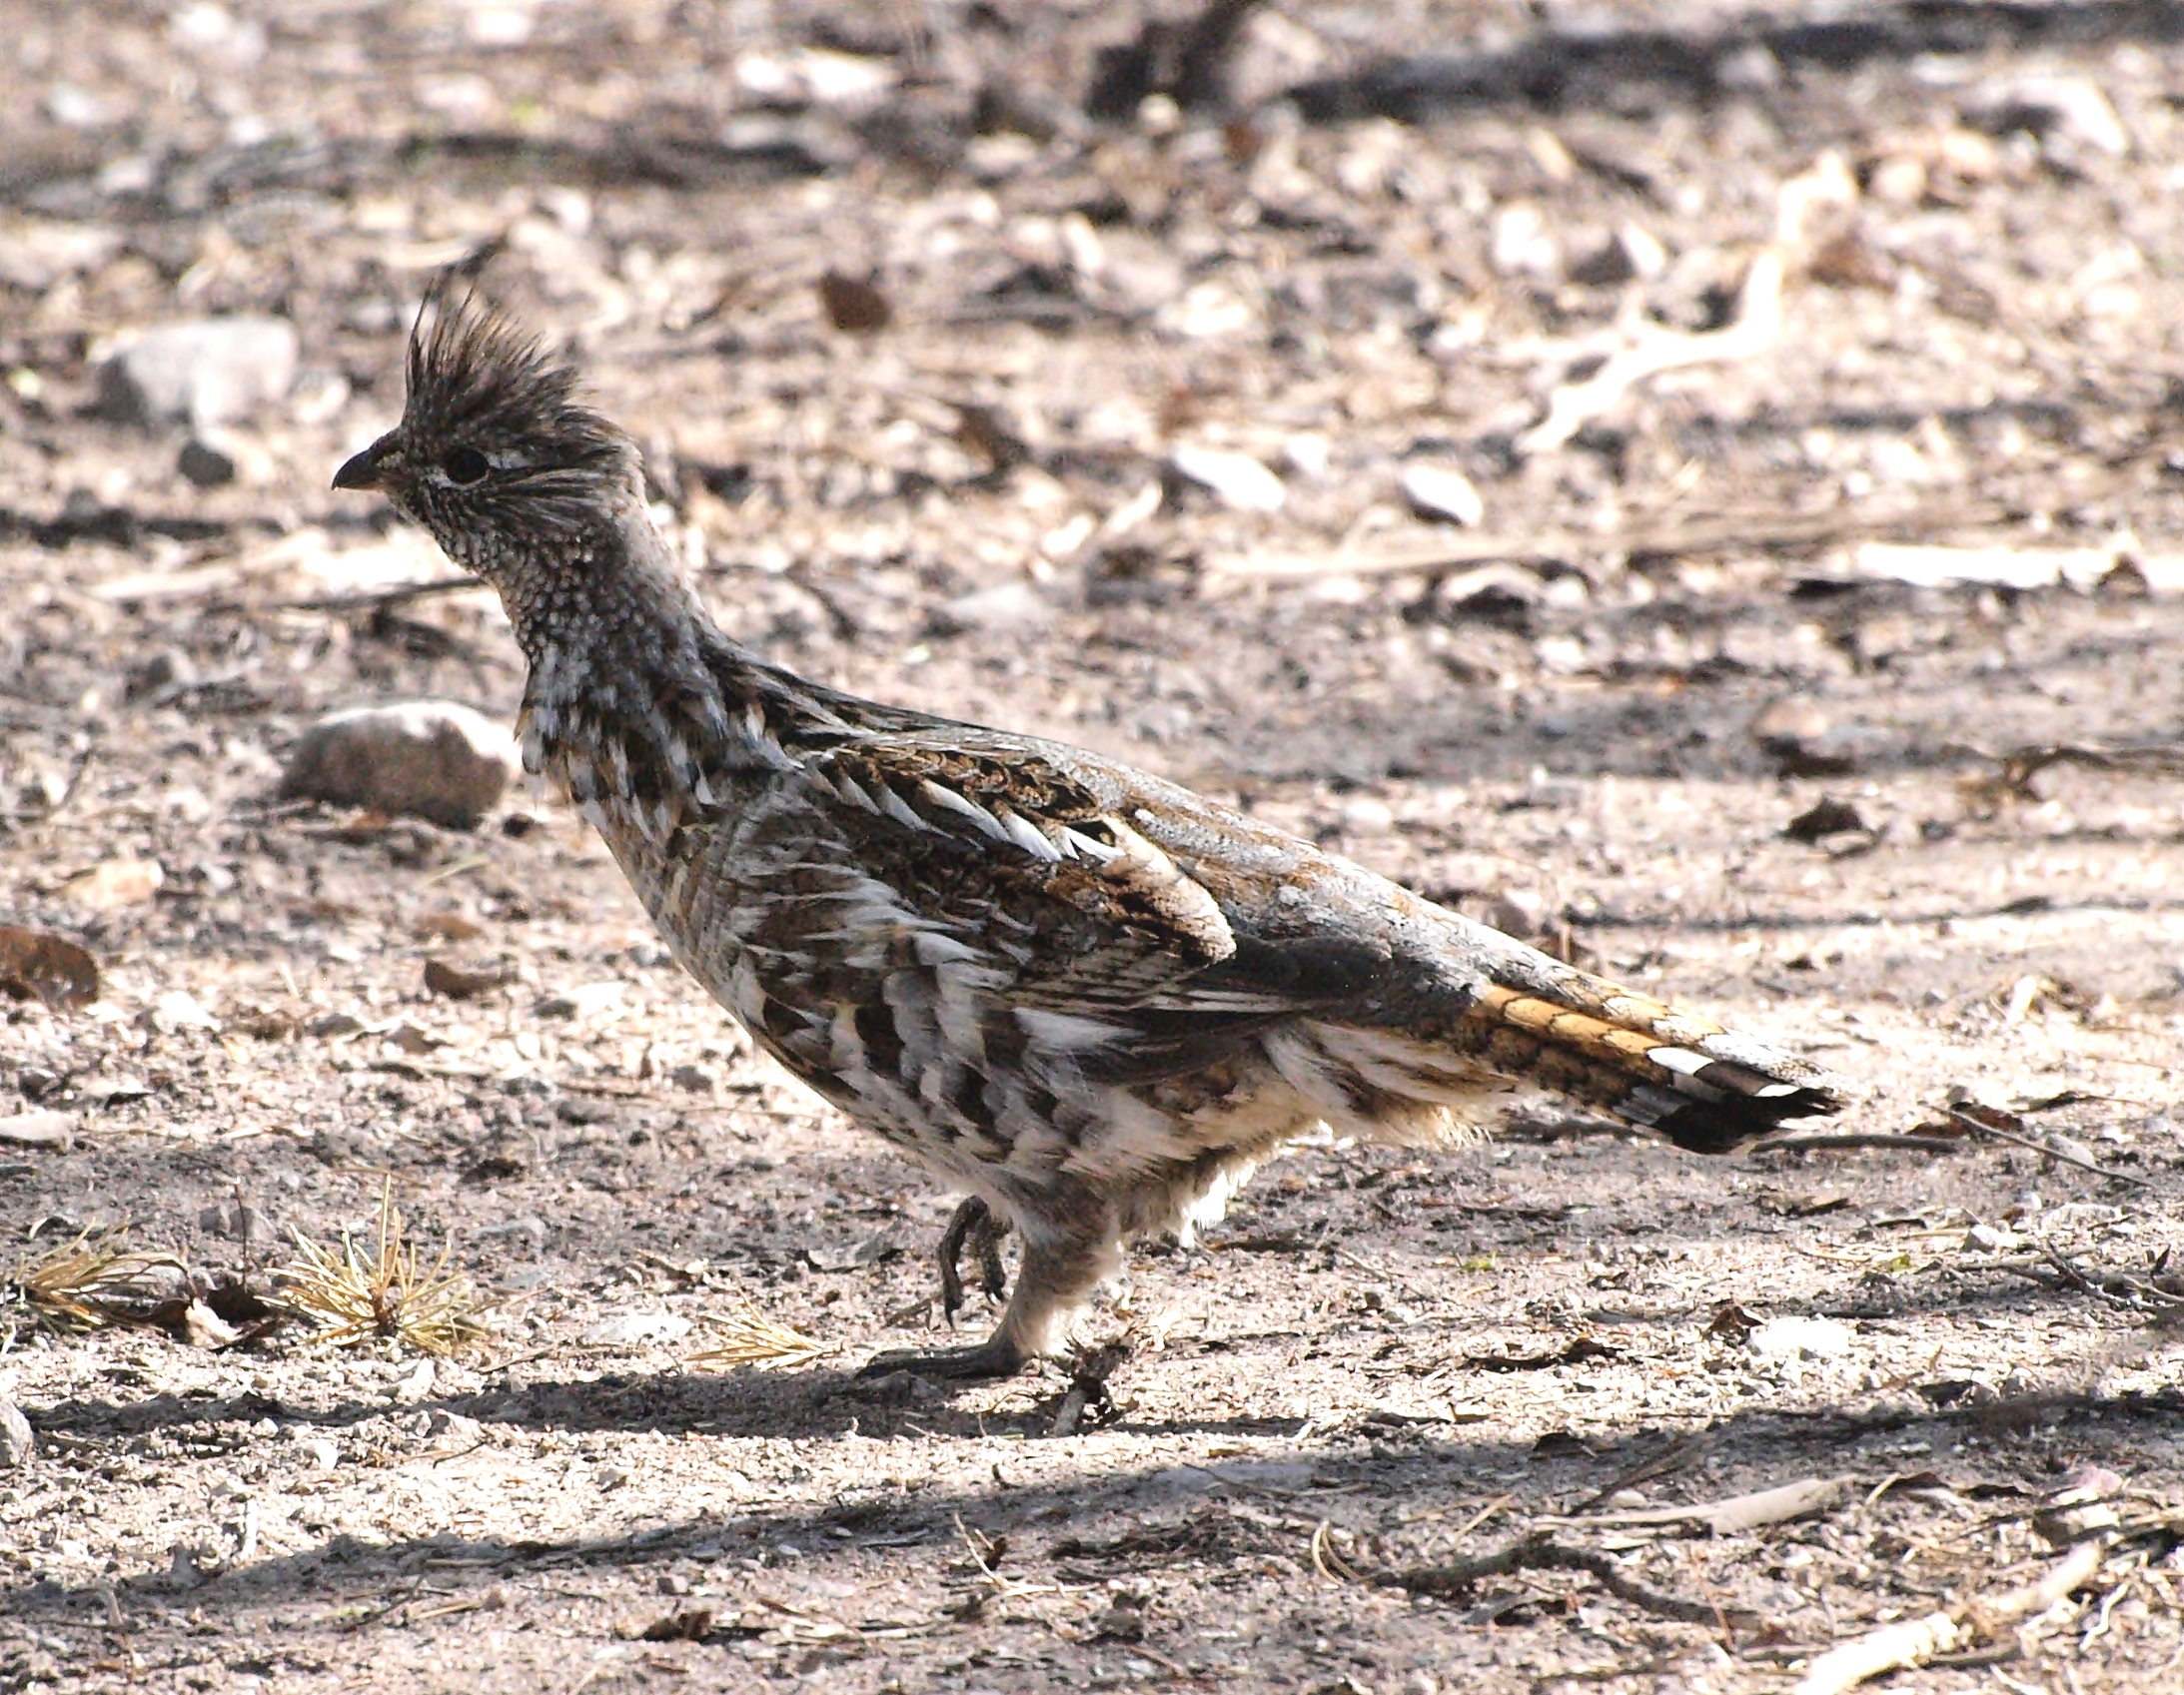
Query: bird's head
(495, 455)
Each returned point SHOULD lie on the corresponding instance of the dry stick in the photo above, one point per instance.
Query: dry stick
(2036, 1145)
(2113, 1286)
(374, 599)
(2127, 1293)
(2020, 765)
(1757, 326)
(1685, 1450)
(1718, 533)
(1903, 1646)
(1833, 1141)
(1534, 1552)
(1701, 536)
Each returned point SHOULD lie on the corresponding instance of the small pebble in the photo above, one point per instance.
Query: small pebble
(431, 760)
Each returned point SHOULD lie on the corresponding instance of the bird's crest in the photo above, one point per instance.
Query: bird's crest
(474, 374)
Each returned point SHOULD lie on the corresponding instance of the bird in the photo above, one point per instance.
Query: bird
(1090, 999)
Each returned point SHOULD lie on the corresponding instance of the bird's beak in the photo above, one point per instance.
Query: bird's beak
(368, 469)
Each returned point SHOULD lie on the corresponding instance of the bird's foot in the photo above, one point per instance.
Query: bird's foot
(998, 1356)
(974, 1223)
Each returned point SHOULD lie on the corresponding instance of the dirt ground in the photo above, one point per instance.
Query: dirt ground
(1671, 633)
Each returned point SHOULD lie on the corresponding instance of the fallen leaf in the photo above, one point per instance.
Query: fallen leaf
(1576, 1353)
(37, 964)
(854, 303)
(1826, 818)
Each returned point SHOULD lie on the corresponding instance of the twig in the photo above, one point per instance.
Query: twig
(1837, 1139)
(2015, 769)
(1533, 1552)
(1759, 324)
(1685, 1450)
(375, 599)
(1915, 1641)
(2037, 1145)
(2113, 1286)
(1718, 533)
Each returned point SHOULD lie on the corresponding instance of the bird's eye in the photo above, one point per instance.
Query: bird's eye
(465, 465)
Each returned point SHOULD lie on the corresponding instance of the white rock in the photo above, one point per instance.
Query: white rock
(212, 371)
(1308, 453)
(430, 758)
(1523, 246)
(1799, 1339)
(37, 254)
(178, 1008)
(37, 1129)
(322, 1454)
(1443, 491)
(116, 883)
(1367, 815)
(17, 1442)
(2071, 109)
(585, 1000)
(1240, 480)
(633, 1330)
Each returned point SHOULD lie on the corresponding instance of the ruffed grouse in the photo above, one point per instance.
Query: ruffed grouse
(1090, 998)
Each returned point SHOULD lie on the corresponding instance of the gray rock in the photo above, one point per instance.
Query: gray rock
(205, 463)
(1005, 607)
(697, 1079)
(431, 760)
(17, 1442)
(209, 371)
(633, 1330)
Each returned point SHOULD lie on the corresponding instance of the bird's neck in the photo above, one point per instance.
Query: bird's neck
(633, 690)
(609, 591)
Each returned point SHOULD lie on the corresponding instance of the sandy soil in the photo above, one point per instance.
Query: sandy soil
(1683, 642)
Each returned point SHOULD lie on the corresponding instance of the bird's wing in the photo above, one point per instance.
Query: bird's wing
(1080, 925)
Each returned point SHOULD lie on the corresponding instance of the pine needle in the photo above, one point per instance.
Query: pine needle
(354, 1297)
(751, 1338)
(86, 1284)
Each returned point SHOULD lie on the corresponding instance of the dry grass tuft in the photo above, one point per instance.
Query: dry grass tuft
(751, 1338)
(352, 1297)
(85, 1283)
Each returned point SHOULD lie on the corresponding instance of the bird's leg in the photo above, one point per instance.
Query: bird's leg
(1056, 1276)
(975, 1223)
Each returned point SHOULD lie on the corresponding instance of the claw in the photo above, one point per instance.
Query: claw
(973, 1223)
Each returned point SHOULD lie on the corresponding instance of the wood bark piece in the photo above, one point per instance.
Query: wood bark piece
(1913, 1643)
(1739, 1512)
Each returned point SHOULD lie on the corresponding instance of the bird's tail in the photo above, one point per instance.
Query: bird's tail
(1704, 1087)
